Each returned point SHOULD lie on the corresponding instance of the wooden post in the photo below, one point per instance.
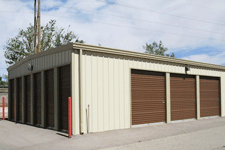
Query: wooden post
(39, 26)
(35, 27)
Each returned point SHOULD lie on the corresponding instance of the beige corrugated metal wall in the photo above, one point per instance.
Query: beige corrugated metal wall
(222, 85)
(107, 88)
(42, 63)
(75, 93)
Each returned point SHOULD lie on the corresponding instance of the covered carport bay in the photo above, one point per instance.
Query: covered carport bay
(38, 95)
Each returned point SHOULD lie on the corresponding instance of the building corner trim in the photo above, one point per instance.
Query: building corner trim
(81, 92)
(168, 102)
(198, 96)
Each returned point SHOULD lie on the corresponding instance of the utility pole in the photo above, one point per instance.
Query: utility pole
(39, 26)
(35, 27)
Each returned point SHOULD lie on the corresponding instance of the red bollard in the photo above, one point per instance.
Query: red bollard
(69, 117)
(3, 108)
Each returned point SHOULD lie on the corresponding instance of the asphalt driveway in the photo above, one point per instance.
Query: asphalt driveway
(201, 134)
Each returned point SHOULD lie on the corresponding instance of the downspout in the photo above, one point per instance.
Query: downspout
(80, 92)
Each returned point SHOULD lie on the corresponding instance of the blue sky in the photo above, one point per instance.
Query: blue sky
(192, 29)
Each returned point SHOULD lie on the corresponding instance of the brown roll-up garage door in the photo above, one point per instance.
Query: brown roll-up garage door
(37, 99)
(183, 97)
(49, 76)
(148, 97)
(12, 95)
(19, 99)
(209, 96)
(27, 99)
(64, 93)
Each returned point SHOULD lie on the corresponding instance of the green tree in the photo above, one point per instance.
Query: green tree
(5, 77)
(4, 84)
(157, 49)
(22, 45)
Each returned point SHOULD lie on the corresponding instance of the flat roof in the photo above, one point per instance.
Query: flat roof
(114, 51)
(145, 56)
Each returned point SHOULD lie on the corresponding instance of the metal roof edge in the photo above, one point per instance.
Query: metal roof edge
(47, 52)
(145, 56)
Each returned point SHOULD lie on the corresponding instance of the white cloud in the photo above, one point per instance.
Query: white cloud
(216, 59)
(93, 30)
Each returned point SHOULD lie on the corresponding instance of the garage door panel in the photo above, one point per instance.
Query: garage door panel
(210, 112)
(148, 97)
(183, 97)
(209, 104)
(183, 114)
(209, 96)
(154, 107)
(182, 106)
(144, 117)
(149, 104)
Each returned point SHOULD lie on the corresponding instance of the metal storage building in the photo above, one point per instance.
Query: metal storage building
(120, 88)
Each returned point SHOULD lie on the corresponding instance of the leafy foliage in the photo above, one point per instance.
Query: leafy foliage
(4, 84)
(157, 49)
(22, 45)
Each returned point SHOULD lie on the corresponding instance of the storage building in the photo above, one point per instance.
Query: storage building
(111, 89)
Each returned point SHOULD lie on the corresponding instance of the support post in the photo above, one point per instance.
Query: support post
(43, 112)
(168, 103)
(56, 101)
(32, 98)
(15, 100)
(23, 100)
(198, 97)
(3, 108)
(9, 100)
(81, 91)
(69, 117)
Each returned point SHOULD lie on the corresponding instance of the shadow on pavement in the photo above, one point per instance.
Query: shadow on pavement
(63, 135)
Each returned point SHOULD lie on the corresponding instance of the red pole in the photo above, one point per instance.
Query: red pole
(69, 117)
(3, 108)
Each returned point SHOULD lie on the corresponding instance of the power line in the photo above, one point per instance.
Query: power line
(15, 12)
(195, 5)
(149, 21)
(198, 19)
(212, 21)
(135, 28)
(161, 13)
(134, 19)
(172, 0)
(141, 28)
